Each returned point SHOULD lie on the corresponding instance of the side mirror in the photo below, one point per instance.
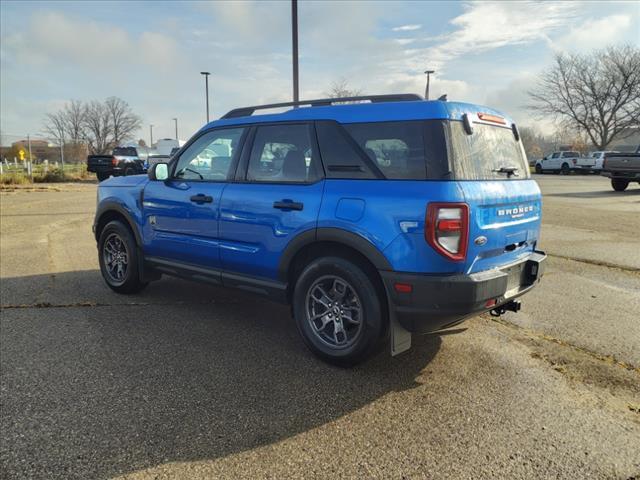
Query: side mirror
(159, 171)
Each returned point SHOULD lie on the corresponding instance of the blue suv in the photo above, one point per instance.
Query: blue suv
(370, 216)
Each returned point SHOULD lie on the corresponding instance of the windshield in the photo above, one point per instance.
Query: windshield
(489, 153)
(125, 151)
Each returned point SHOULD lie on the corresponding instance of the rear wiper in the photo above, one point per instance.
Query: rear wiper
(508, 170)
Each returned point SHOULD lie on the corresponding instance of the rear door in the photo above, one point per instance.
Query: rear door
(277, 196)
(504, 203)
(181, 214)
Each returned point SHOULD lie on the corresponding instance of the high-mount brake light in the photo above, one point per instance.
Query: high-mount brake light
(486, 117)
(447, 229)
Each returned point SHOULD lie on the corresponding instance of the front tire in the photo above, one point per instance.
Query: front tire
(619, 185)
(538, 168)
(118, 257)
(338, 311)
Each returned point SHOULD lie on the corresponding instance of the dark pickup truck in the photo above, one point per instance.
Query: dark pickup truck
(122, 161)
(622, 169)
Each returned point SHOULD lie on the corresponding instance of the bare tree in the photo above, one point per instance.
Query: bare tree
(598, 93)
(74, 113)
(74, 120)
(54, 127)
(340, 88)
(124, 123)
(98, 127)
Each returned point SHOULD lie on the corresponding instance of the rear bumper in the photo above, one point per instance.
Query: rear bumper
(631, 176)
(104, 169)
(437, 302)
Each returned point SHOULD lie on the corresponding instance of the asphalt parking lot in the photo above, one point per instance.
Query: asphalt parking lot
(185, 380)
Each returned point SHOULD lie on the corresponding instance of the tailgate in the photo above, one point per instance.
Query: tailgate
(623, 163)
(99, 161)
(504, 222)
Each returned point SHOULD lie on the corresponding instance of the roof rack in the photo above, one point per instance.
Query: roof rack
(322, 102)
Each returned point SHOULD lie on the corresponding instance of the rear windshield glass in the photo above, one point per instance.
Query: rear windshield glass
(489, 153)
(570, 154)
(403, 150)
(125, 151)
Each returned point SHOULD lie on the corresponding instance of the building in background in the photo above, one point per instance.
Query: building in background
(43, 149)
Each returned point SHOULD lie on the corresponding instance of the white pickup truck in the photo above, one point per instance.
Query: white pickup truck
(565, 163)
(598, 157)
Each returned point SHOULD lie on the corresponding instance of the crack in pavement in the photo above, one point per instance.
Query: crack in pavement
(608, 359)
(598, 263)
(96, 304)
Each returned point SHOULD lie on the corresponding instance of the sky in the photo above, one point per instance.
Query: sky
(150, 53)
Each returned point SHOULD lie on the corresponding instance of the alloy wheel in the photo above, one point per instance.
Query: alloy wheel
(334, 311)
(116, 258)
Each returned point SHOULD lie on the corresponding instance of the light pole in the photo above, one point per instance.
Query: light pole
(294, 42)
(426, 90)
(206, 89)
(176, 122)
(151, 135)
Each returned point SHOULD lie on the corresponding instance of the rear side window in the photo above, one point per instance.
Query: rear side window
(397, 148)
(489, 153)
(125, 151)
(339, 155)
(282, 153)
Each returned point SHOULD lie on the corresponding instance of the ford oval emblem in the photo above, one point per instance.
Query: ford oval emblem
(481, 240)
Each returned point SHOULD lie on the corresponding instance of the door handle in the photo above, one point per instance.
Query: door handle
(288, 205)
(200, 199)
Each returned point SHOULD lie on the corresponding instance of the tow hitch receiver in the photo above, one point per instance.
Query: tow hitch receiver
(512, 306)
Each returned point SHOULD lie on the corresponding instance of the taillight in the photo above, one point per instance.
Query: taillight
(114, 161)
(447, 229)
(575, 161)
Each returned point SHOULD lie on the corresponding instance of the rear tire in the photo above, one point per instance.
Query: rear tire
(129, 171)
(118, 257)
(102, 176)
(619, 185)
(338, 311)
(564, 170)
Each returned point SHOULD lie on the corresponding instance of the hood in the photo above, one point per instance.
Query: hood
(128, 181)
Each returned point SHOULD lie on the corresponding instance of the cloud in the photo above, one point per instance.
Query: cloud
(489, 25)
(407, 28)
(51, 37)
(595, 33)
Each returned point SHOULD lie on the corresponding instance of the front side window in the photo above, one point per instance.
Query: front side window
(282, 153)
(210, 156)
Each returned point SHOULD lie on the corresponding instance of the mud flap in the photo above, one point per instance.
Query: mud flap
(400, 337)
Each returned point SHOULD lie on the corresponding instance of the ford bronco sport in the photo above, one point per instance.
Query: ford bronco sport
(374, 217)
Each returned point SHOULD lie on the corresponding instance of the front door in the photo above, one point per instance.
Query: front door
(276, 199)
(181, 214)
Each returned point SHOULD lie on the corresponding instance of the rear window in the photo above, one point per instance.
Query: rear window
(413, 150)
(125, 151)
(489, 153)
(570, 154)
